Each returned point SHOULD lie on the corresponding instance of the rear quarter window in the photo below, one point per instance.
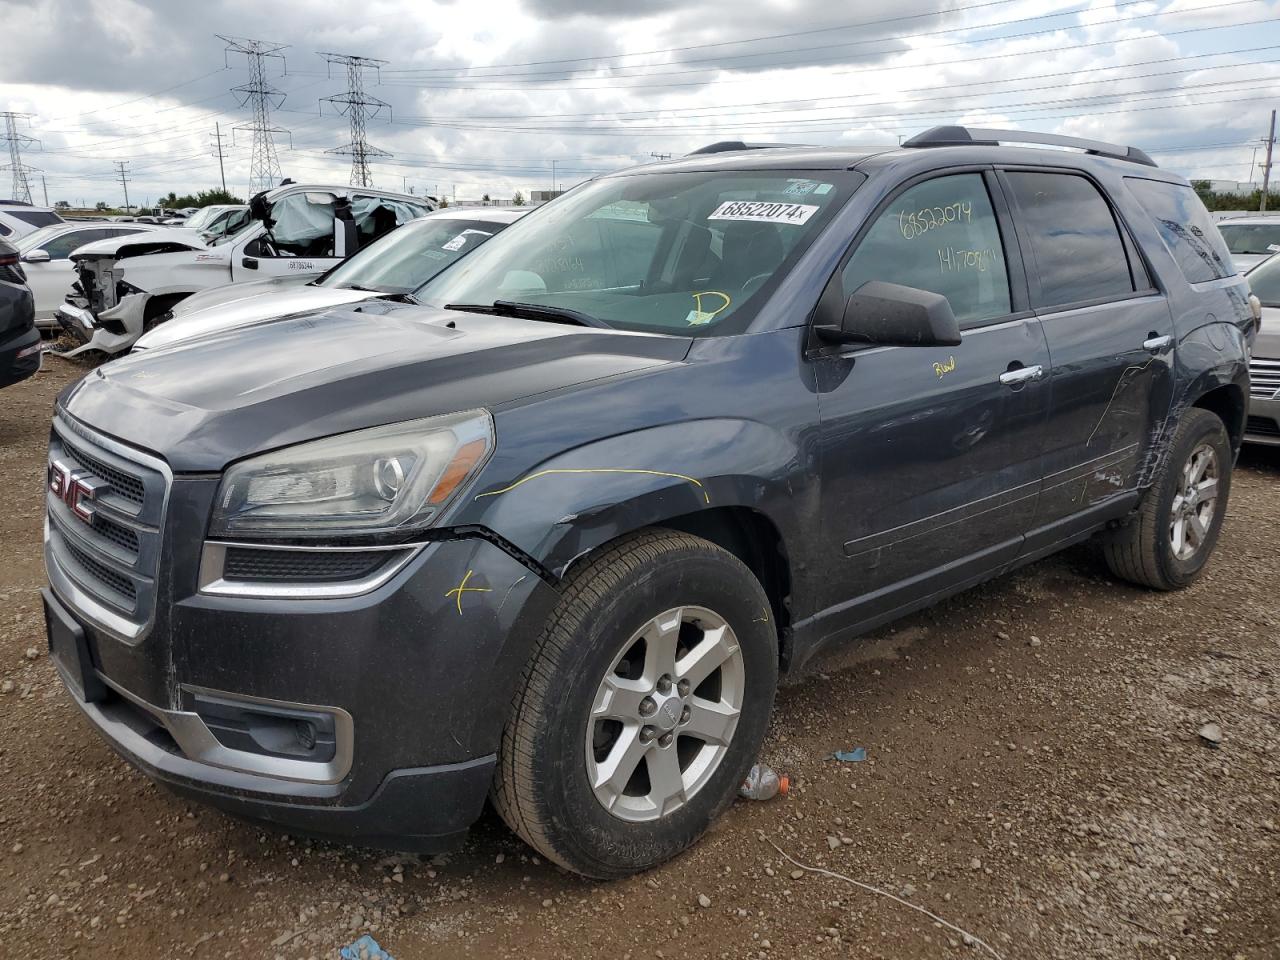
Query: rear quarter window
(37, 218)
(1185, 227)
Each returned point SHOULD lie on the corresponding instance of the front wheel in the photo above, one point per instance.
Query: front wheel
(642, 707)
(1168, 543)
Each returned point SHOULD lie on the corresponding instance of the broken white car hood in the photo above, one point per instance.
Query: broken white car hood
(175, 238)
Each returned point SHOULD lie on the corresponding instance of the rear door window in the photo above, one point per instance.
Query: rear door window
(1185, 228)
(1073, 239)
(942, 236)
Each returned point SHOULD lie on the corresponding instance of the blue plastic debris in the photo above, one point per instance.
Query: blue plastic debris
(366, 948)
(856, 755)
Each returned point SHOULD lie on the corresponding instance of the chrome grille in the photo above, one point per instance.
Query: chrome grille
(105, 546)
(1264, 378)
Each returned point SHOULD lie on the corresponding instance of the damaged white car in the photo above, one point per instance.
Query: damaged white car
(129, 285)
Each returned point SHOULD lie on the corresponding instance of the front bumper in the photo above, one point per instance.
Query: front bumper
(20, 357)
(423, 673)
(124, 323)
(1263, 425)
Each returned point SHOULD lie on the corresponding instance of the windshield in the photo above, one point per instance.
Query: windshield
(201, 218)
(227, 225)
(1250, 238)
(38, 238)
(407, 258)
(692, 254)
(1264, 280)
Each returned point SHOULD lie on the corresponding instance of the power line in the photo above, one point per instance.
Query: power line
(21, 189)
(358, 106)
(261, 97)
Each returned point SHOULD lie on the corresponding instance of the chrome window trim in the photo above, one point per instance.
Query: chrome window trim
(213, 559)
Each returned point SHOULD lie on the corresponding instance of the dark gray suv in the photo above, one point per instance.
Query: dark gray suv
(547, 529)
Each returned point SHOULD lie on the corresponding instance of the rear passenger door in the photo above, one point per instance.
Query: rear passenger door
(1111, 339)
(931, 456)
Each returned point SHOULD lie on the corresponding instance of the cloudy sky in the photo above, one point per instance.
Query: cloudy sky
(487, 96)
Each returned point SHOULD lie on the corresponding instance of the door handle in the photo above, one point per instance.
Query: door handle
(1021, 375)
(249, 263)
(1156, 344)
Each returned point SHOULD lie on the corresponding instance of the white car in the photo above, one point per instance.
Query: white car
(127, 286)
(393, 266)
(46, 260)
(1250, 239)
(17, 219)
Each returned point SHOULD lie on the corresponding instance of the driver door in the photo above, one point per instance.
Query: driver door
(931, 456)
(301, 242)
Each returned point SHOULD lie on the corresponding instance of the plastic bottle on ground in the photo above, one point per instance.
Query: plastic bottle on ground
(764, 783)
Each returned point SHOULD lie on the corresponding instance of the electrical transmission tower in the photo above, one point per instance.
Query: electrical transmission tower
(260, 97)
(359, 107)
(21, 172)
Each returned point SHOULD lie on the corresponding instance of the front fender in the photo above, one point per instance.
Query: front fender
(572, 503)
(168, 273)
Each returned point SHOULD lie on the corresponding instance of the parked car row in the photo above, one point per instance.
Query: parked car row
(542, 521)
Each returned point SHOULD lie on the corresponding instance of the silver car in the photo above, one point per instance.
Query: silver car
(394, 265)
(1264, 367)
(1250, 239)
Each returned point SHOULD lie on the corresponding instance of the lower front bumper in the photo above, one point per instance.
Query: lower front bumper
(93, 331)
(1263, 425)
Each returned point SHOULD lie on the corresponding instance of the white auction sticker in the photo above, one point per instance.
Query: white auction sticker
(763, 211)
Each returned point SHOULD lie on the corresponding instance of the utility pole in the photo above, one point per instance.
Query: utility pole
(359, 107)
(217, 136)
(122, 169)
(45, 186)
(21, 172)
(1266, 167)
(553, 177)
(260, 97)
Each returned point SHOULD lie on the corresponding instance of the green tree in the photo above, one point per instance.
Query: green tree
(518, 199)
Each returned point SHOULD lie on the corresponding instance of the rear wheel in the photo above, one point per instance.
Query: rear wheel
(1168, 543)
(642, 707)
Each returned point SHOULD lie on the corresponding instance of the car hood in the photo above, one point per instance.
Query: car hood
(266, 302)
(1267, 344)
(201, 404)
(1245, 261)
(169, 240)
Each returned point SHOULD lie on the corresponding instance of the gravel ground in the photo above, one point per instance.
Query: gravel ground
(1034, 777)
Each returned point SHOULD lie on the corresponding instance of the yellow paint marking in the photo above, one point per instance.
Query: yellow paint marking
(942, 369)
(462, 588)
(547, 473)
(764, 619)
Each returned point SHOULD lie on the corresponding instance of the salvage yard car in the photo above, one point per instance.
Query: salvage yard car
(1250, 239)
(46, 260)
(550, 535)
(20, 345)
(127, 286)
(1263, 425)
(393, 266)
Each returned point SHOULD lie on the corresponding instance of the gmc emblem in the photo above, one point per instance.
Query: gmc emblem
(77, 491)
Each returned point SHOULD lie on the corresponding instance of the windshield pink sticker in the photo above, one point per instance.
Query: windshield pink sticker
(762, 211)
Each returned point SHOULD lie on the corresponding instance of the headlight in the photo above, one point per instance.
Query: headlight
(370, 481)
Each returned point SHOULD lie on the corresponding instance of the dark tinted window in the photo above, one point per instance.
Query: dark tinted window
(37, 218)
(1075, 243)
(60, 247)
(941, 236)
(1185, 228)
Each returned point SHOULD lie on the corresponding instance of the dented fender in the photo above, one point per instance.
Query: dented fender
(129, 313)
(564, 507)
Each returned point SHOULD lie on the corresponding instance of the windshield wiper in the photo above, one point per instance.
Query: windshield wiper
(531, 311)
(398, 296)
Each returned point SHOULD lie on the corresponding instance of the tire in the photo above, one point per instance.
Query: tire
(1145, 550)
(601, 629)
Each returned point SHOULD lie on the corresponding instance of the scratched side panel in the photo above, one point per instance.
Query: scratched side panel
(732, 426)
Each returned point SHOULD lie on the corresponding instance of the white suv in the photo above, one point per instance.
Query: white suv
(17, 219)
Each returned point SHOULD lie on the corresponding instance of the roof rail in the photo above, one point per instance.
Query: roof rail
(955, 136)
(725, 146)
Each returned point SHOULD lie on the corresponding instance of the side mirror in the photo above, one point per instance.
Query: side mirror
(36, 256)
(889, 314)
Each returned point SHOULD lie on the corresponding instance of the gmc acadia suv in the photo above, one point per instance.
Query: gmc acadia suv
(547, 529)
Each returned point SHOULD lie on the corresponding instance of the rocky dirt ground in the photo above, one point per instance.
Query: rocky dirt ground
(1034, 776)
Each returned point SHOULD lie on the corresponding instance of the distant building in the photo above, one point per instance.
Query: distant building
(542, 196)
